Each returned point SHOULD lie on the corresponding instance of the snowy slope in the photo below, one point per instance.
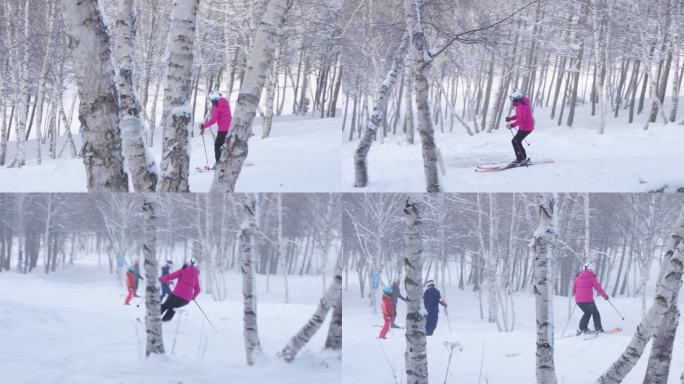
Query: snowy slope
(302, 155)
(625, 159)
(71, 327)
(509, 358)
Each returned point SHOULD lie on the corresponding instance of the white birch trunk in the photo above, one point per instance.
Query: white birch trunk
(543, 243)
(267, 123)
(282, 254)
(234, 151)
(98, 111)
(23, 107)
(421, 70)
(247, 232)
(416, 343)
(41, 84)
(140, 163)
(666, 295)
(153, 325)
(177, 112)
(379, 111)
(334, 339)
(331, 296)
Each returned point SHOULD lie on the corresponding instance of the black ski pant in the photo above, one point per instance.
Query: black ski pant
(220, 139)
(589, 310)
(517, 141)
(170, 304)
(431, 323)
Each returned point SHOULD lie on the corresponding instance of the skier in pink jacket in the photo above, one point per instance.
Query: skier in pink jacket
(583, 289)
(522, 120)
(221, 116)
(187, 288)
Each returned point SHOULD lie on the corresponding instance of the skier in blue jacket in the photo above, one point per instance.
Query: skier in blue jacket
(431, 300)
(165, 288)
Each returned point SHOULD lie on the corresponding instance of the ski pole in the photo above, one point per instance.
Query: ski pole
(618, 312)
(446, 312)
(206, 157)
(569, 318)
(205, 315)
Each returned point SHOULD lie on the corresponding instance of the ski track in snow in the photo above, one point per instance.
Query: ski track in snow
(509, 358)
(71, 327)
(625, 159)
(301, 155)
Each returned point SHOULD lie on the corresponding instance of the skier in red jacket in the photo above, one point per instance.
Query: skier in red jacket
(387, 311)
(131, 283)
(522, 120)
(187, 288)
(583, 290)
(221, 116)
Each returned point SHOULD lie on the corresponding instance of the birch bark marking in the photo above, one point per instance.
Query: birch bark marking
(543, 243)
(234, 151)
(177, 113)
(155, 342)
(140, 163)
(416, 343)
(89, 41)
(670, 279)
(381, 99)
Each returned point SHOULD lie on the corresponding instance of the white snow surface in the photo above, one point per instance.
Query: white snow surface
(626, 158)
(301, 155)
(509, 358)
(71, 327)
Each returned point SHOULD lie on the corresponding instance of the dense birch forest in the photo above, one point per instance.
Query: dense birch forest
(140, 74)
(583, 63)
(495, 250)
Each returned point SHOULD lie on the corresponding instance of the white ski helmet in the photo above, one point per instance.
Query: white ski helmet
(587, 267)
(215, 95)
(429, 283)
(193, 261)
(516, 95)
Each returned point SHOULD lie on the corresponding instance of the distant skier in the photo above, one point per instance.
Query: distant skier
(187, 288)
(165, 287)
(221, 116)
(522, 120)
(130, 284)
(137, 276)
(388, 312)
(583, 289)
(432, 298)
(396, 295)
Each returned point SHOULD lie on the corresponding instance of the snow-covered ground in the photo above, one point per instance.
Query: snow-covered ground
(503, 358)
(71, 327)
(624, 159)
(301, 155)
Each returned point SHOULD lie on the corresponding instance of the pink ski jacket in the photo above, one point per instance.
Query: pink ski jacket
(584, 285)
(220, 115)
(523, 119)
(188, 286)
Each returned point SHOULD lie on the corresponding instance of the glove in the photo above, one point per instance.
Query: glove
(606, 297)
(508, 119)
(509, 125)
(201, 129)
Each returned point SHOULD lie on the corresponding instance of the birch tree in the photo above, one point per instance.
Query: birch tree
(421, 70)
(543, 243)
(379, 111)
(177, 112)
(98, 110)
(234, 150)
(670, 279)
(140, 162)
(416, 343)
(330, 298)
(153, 325)
(247, 232)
